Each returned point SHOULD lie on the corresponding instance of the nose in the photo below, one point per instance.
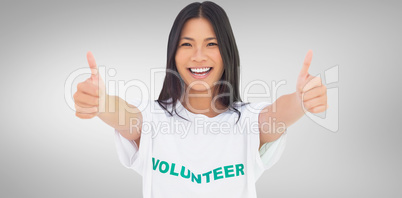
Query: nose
(199, 55)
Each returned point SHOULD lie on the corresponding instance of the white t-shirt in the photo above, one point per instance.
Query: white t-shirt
(203, 157)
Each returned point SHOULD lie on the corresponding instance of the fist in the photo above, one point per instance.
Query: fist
(309, 89)
(91, 94)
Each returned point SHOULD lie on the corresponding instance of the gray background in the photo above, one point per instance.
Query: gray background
(48, 152)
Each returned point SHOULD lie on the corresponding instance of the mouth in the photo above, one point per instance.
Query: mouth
(200, 72)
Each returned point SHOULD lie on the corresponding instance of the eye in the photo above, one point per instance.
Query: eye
(212, 44)
(185, 44)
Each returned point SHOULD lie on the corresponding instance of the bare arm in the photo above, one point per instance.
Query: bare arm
(91, 100)
(124, 117)
(275, 118)
(286, 110)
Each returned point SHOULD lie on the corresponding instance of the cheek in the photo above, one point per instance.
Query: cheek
(180, 64)
(177, 59)
(218, 60)
(180, 58)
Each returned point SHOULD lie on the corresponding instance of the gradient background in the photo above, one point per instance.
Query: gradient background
(48, 152)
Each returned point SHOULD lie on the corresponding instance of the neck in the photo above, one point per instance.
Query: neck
(201, 102)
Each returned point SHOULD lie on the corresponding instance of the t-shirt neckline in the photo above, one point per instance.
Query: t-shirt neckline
(199, 114)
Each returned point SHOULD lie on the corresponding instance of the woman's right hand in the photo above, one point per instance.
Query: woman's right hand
(90, 96)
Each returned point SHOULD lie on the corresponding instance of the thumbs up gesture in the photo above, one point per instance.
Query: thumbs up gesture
(91, 94)
(309, 89)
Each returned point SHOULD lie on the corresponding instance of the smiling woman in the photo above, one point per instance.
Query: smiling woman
(197, 54)
(200, 90)
(201, 37)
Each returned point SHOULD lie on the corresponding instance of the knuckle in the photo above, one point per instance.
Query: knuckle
(78, 110)
(80, 115)
(79, 86)
(85, 116)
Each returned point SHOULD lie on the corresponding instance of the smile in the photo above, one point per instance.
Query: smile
(200, 72)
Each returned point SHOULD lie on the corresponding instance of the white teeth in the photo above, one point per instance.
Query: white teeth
(199, 70)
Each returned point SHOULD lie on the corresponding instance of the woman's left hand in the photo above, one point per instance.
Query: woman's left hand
(309, 89)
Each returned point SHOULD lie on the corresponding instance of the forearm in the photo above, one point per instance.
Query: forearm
(120, 115)
(284, 112)
(287, 109)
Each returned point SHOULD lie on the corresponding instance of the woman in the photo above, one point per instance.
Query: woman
(199, 139)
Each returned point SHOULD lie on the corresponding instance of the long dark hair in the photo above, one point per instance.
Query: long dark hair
(228, 85)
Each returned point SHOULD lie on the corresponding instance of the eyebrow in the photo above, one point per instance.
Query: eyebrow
(191, 39)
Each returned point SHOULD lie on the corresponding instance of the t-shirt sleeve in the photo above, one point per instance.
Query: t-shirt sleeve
(270, 152)
(128, 152)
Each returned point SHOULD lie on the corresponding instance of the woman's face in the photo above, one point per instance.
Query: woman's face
(198, 59)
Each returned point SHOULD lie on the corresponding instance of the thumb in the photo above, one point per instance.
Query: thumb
(306, 64)
(92, 66)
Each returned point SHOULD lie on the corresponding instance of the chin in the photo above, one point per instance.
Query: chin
(200, 87)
